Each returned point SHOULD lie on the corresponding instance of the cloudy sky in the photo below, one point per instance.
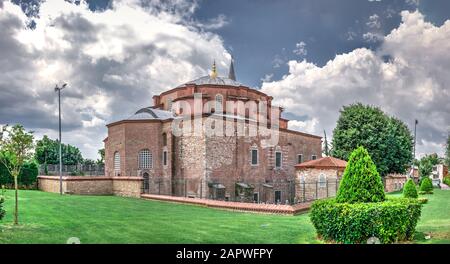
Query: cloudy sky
(313, 56)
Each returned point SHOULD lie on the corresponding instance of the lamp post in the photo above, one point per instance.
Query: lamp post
(414, 147)
(415, 126)
(58, 89)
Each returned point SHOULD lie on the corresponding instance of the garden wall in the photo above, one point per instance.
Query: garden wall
(394, 182)
(92, 185)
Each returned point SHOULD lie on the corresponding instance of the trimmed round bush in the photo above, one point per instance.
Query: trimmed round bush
(361, 181)
(410, 190)
(2, 212)
(390, 221)
(426, 185)
(447, 180)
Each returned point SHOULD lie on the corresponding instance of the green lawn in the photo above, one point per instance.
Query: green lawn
(49, 218)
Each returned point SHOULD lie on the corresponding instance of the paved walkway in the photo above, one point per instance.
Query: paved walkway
(248, 207)
(444, 186)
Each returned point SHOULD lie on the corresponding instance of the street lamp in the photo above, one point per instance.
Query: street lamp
(58, 89)
(415, 126)
(414, 147)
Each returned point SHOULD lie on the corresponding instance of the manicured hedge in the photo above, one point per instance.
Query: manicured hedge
(390, 221)
(27, 178)
(410, 189)
(426, 185)
(2, 212)
(447, 180)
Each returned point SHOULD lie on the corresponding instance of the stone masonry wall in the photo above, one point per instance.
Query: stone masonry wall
(97, 185)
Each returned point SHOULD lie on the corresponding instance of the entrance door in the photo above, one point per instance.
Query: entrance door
(277, 197)
(146, 183)
(256, 197)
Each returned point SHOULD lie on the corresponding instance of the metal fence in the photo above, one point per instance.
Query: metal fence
(73, 170)
(281, 192)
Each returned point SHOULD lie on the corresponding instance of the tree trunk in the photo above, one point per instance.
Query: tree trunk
(16, 210)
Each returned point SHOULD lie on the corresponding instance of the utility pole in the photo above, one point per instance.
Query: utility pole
(58, 89)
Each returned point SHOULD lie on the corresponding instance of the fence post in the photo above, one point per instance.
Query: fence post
(317, 189)
(159, 187)
(185, 187)
(327, 186)
(337, 183)
(304, 191)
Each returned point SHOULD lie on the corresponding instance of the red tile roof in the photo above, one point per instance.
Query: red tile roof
(323, 163)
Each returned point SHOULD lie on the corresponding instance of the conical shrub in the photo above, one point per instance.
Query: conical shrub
(426, 185)
(410, 190)
(361, 181)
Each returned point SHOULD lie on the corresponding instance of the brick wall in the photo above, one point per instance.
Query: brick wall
(97, 185)
(394, 182)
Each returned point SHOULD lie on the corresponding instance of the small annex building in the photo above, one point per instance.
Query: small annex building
(318, 178)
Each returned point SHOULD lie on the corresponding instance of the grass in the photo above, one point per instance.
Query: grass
(50, 218)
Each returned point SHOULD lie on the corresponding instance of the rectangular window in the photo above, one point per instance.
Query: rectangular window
(313, 157)
(254, 156)
(165, 158)
(277, 197)
(278, 159)
(299, 158)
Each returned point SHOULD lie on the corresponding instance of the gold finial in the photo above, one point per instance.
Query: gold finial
(214, 70)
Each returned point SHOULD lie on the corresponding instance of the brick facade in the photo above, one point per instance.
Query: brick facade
(207, 166)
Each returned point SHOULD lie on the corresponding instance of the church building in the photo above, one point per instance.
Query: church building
(231, 166)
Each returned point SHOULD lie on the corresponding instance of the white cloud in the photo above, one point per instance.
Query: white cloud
(114, 61)
(374, 22)
(308, 126)
(267, 77)
(300, 49)
(413, 83)
(372, 37)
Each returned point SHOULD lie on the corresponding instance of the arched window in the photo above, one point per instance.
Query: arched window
(116, 162)
(219, 102)
(145, 159)
(254, 155)
(164, 139)
(322, 180)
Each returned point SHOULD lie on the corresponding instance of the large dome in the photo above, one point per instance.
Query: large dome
(214, 81)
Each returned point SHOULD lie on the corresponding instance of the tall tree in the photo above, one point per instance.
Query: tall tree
(426, 165)
(101, 152)
(47, 152)
(387, 139)
(16, 147)
(326, 149)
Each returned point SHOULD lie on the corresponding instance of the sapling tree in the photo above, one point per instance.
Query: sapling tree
(16, 147)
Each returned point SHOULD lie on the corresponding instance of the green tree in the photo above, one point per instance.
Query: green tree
(426, 165)
(16, 147)
(47, 152)
(410, 189)
(361, 181)
(101, 152)
(387, 139)
(426, 185)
